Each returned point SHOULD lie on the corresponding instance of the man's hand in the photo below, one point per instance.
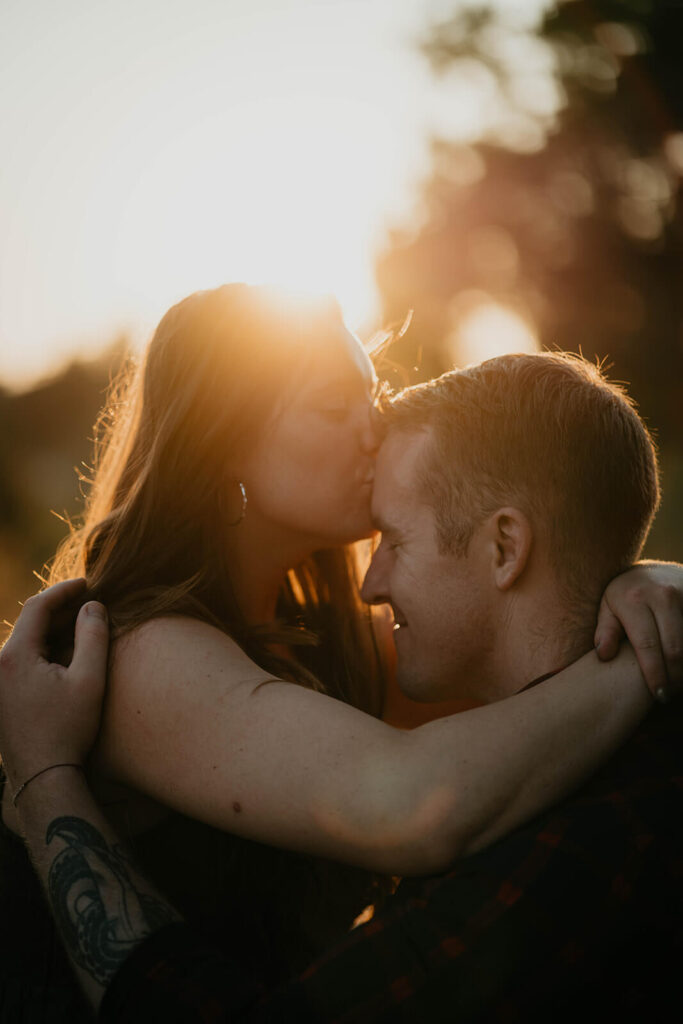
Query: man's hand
(646, 605)
(48, 713)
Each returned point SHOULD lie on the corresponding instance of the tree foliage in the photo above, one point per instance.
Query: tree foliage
(573, 221)
(567, 208)
(47, 433)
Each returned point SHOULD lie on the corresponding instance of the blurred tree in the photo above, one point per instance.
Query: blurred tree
(566, 209)
(47, 445)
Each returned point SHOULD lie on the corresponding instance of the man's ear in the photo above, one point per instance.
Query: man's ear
(511, 537)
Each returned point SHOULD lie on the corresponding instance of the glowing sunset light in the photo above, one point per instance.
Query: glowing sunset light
(286, 205)
(152, 149)
(490, 329)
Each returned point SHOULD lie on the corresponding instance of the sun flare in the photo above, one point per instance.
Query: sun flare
(260, 142)
(490, 329)
(284, 207)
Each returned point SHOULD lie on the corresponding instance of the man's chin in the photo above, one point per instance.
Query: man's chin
(417, 687)
(439, 697)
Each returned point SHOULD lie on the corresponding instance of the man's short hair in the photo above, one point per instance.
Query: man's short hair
(549, 434)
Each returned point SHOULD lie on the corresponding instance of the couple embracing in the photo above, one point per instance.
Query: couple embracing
(241, 760)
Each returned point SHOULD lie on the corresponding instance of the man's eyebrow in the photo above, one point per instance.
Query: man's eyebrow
(383, 525)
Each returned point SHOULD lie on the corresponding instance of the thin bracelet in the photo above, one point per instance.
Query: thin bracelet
(22, 787)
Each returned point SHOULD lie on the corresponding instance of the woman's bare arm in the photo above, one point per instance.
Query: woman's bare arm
(48, 714)
(193, 723)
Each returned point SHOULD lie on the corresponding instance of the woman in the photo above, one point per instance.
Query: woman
(236, 469)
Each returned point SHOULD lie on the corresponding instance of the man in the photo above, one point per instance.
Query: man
(492, 492)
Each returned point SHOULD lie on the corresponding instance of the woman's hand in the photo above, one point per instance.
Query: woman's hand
(646, 604)
(48, 713)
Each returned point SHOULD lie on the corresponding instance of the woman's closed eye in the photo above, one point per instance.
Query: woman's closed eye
(345, 399)
(339, 406)
(336, 410)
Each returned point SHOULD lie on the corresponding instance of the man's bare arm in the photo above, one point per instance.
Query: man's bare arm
(102, 905)
(50, 715)
(49, 719)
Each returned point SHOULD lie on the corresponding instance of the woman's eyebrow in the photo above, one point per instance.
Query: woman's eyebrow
(346, 384)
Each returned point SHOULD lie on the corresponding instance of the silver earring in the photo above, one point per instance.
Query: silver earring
(243, 509)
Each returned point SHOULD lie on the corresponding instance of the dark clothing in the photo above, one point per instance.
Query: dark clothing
(285, 908)
(37, 983)
(577, 916)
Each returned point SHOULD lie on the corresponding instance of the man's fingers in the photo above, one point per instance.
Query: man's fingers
(91, 644)
(608, 633)
(33, 623)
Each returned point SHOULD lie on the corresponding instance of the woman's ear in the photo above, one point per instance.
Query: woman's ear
(511, 536)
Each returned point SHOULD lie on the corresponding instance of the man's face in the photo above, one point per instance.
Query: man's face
(441, 602)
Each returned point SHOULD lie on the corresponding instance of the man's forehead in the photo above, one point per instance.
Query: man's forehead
(397, 485)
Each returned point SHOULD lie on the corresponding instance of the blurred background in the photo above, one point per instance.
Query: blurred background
(509, 171)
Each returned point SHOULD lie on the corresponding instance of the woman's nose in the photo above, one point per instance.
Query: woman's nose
(371, 437)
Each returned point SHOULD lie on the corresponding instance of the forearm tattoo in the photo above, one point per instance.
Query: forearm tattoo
(101, 913)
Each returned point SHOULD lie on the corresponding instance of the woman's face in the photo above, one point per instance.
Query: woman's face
(312, 470)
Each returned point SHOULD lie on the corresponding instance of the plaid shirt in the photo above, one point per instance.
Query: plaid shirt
(577, 916)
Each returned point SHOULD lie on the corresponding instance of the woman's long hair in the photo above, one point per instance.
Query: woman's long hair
(150, 540)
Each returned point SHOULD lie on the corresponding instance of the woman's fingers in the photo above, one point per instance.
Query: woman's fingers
(647, 645)
(668, 613)
(31, 628)
(608, 633)
(638, 621)
(646, 603)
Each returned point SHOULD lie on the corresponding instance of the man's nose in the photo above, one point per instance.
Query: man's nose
(373, 590)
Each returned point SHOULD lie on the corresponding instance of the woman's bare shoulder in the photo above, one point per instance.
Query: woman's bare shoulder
(175, 634)
(168, 679)
(175, 648)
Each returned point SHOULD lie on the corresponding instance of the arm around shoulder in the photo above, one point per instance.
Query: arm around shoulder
(192, 722)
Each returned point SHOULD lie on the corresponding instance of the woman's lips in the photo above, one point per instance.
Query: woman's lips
(366, 473)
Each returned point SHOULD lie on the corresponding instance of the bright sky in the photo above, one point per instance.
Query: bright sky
(151, 147)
